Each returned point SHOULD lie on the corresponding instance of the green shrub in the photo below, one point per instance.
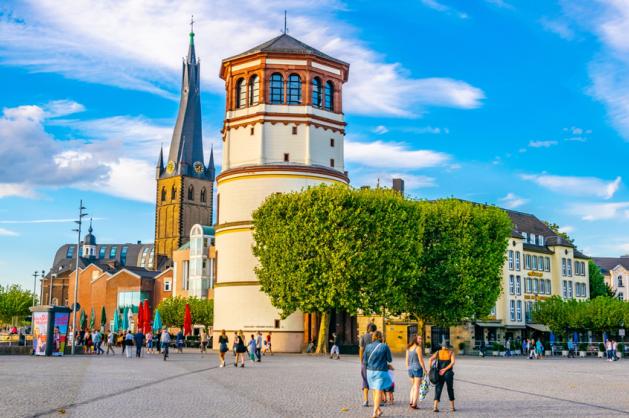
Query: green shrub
(583, 347)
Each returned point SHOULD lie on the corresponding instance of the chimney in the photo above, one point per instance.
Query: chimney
(398, 186)
(139, 242)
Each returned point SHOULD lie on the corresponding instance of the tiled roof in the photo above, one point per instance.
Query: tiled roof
(536, 248)
(608, 263)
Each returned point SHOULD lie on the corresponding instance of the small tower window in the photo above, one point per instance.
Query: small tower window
(316, 92)
(241, 93)
(254, 90)
(173, 193)
(286, 158)
(331, 142)
(252, 131)
(191, 192)
(202, 197)
(163, 194)
(294, 130)
(331, 162)
(329, 96)
(294, 89)
(277, 88)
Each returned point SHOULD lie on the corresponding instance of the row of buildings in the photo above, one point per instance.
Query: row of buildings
(283, 131)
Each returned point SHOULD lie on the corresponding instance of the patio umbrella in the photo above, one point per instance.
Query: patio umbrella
(116, 327)
(82, 320)
(147, 316)
(157, 321)
(552, 339)
(103, 317)
(140, 322)
(92, 318)
(575, 337)
(125, 319)
(187, 321)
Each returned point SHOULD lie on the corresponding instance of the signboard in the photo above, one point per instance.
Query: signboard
(60, 331)
(621, 332)
(535, 274)
(40, 332)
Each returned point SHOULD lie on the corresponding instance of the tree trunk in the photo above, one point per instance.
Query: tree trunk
(322, 339)
(421, 330)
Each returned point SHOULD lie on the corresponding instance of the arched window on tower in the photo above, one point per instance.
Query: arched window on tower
(254, 90)
(294, 89)
(163, 194)
(316, 92)
(277, 88)
(202, 197)
(329, 96)
(173, 193)
(191, 192)
(241, 93)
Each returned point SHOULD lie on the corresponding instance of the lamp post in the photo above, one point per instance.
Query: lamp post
(35, 274)
(76, 277)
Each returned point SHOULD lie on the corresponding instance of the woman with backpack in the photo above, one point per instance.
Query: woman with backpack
(415, 366)
(444, 362)
(377, 359)
(241, 349)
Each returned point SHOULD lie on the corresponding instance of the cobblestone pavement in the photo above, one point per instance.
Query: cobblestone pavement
(192, 385)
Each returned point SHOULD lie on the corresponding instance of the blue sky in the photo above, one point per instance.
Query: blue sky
(516, 103)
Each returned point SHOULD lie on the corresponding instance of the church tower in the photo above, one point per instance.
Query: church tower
(283, 131)
(185, 184)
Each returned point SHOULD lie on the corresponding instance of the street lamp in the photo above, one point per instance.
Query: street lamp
(35, 274)
(76, 277)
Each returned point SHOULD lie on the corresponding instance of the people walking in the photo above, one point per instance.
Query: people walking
(110, 343)
(268, 343)
(444, 359)
(614, 350)
(416, 367)
(570, 349)
(252, 348)
(335, 351)
(377, 359)
(97, 337)
(128, 341)
(259, 346)
(222, 347)
(179, 340)
(149, 342)
(365, 340)
(235, 345)
(532, 354)
(525, 346)
(165, 342)
(203, 339)
(241, 349)
(139, 343)
(539, 349)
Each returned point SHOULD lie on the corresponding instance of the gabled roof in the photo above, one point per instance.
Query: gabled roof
(609, 263)
(285, 44)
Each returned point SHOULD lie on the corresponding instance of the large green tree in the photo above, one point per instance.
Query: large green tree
(598, 287)
(172, 311)
(14, 303)
(603, 314)
(332, 247)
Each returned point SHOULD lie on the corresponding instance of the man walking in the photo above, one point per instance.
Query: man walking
(259, 347)
(165, 342)
(334, 351)
(110, 343)
(365, 340)
(139, 342)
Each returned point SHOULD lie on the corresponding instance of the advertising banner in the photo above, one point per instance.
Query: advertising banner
(60, 332)
(40, 332)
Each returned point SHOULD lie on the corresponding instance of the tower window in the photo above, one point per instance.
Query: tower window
(163, 194)
(241, 93)
(294, 130)
(254, 90)
(316, 92)
(112, 253)
(286, 157)
(252, 131)
(331, 142)
(173, 193)
(202, 197)
(331, 162)
(329, 96)
(294, 89)
(277, 88)
(191, 192)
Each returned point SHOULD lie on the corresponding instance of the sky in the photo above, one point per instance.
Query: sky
(522, 104)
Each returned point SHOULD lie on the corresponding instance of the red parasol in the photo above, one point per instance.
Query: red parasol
(187, 321)
(140, 323)
(147, 316)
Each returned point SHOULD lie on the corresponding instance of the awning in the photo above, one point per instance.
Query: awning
(515, 326)
(489, 324)
(539, 327)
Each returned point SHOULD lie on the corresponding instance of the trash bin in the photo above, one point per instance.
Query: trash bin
(50, 328)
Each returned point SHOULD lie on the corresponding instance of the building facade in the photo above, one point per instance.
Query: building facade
(616, 272)
(283, 131)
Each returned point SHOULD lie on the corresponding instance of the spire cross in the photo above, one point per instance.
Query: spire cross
(192, 24)
(285, 28)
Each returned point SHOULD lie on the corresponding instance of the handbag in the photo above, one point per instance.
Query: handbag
(433, 374)
(423, 389)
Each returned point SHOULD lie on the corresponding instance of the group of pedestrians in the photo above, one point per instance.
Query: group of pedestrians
(256, 347)
(611, 350)
(378, 373)
(535, 349)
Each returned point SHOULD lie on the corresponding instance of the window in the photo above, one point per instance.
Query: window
(143, 260)
(569, 262)
(564, 285)
(577, 289)
(542, 287)
(620, 281)
(112, 252)
(534, 262)
(511, 260)
(123, 255)
(294, 130)
(241, 93)
(519, 311)
(202, 196)
(167, 285)
(102, 252)
(512, 309)
(517, 260)
(527, 261)
(252, 130)
(185, 275)
(547, 263)
(532, 239)
(332, 142)
(570, 289)
(70, 251)
(131, 298)
(276, 323)
(163, 194)
(173, 193)
(277, 88)
(525, 236)
(329, 96)
(518, 285)
(191, 192)
(316, 92)
(254, 90)
(294, 89)
(621, 296)
(528, 288)
(331, 162)
(540, 240)
(535, 287)
(563, 267)
(286, 158)
(511, 284)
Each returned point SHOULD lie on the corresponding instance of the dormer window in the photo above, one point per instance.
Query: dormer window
(532, 239)
(540, 240)
(525, 236)
(620, 281)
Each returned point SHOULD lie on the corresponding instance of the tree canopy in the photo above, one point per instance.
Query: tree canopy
(14, 303)
(172, 311)
(598, 287)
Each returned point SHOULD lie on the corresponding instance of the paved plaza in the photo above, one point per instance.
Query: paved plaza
(192, 385)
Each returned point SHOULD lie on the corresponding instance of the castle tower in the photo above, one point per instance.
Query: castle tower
(185, 184)
(283, 131)
(89, 244)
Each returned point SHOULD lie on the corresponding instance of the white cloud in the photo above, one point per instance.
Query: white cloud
(567, 229)
(16, 189)
(601, 211)
(380, 130)
(512, 201)
(427, 130)
(625, 248)
(392, 155)
(577, 186)
(440, 7)
(137, 45)
(58, 108)
(8, 233)
(558, 27)
(542, 144)
(500, 3)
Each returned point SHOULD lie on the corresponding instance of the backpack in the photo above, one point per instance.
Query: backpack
(433, 374)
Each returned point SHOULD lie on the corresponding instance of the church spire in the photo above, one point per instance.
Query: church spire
(183, 154)
(160, 162)
(211, 170)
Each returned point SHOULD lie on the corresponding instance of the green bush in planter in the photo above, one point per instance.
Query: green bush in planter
(601, 347)
(621, 348)
(583, 347)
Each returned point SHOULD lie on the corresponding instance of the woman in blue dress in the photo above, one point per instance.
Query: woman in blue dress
(377, 358)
